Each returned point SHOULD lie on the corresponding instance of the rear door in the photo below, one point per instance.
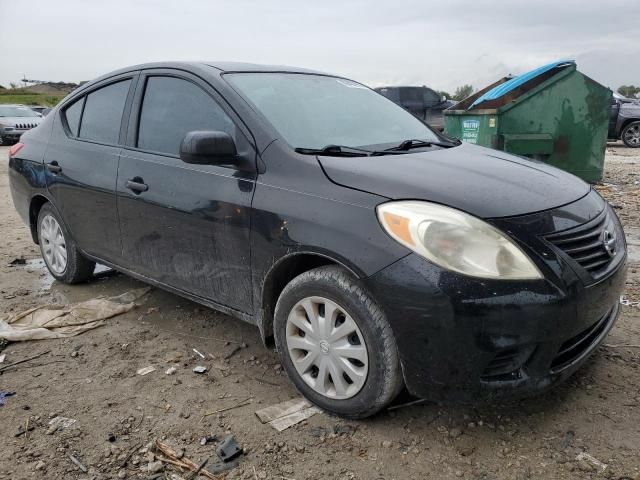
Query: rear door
(185, 225)
(82, 163)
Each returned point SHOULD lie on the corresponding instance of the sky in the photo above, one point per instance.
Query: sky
(441, 44)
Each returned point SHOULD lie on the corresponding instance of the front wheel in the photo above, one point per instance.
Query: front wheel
(631, 135)
(336, 344)
(59, 250)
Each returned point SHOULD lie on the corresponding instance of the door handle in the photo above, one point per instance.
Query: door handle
(137, 185)
(53, 167)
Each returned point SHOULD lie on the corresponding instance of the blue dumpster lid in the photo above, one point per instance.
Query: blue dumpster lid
(515, 82)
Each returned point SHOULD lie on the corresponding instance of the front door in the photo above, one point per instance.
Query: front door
(184, 225)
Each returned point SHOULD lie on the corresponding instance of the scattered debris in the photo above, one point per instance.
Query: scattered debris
(4, 395)
(59, 423)
(23, 429)
(584, 456)
(182, 462)
(200, 369)
(242, 403)
(286, 414)
(155, 467)
(171, 370)
(232, 352)
(129, 455)
(59, 321)
(627, 302)
(208, 439)
(198, 353)
(228, 449)
(77, 462)
(278, 410)
(2, 369)
(408, 404)
(146, 370)
(17, 261)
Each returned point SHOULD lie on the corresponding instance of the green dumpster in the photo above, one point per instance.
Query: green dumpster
(553, 113)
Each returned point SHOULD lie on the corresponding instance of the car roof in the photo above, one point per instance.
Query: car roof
(226, 67)
(221, 66)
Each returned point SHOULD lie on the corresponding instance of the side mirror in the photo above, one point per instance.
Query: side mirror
(208, 148)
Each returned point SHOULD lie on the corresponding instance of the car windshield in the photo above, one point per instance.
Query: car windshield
(313, 111)
(6, 111)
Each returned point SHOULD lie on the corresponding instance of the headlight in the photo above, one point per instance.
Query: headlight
(455, 240)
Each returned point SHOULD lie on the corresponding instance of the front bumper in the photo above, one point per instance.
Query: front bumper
(12, 134)
(464, 338)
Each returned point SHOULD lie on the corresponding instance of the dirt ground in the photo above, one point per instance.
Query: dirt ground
(92, 378)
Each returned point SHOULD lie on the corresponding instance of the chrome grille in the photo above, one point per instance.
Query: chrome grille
(592, 245)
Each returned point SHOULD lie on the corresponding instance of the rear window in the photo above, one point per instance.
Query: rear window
(103, 113)
(72, 115)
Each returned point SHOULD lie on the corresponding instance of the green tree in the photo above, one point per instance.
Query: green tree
(462, 92)
(442, 93)
(629, 91)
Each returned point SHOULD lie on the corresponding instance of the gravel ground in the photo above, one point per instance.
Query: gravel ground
(92, 379)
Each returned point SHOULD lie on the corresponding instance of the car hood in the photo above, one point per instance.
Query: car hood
(13, 121)
(486, 183)
(630, 108)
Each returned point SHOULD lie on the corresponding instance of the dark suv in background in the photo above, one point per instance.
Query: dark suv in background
(624, 123)
(424, 102)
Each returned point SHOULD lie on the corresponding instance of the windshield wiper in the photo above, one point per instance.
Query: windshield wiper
(336, 150)
(414, 143)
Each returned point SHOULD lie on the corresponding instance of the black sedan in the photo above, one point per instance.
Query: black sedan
(374, 252)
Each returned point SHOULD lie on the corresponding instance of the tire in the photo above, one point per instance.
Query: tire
(631, 135)
(370, 384)
(56, 243)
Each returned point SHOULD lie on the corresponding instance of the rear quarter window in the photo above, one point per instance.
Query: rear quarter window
(103, 113)
(72, 116)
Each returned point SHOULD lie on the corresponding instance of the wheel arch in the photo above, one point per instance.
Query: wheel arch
(280, 274)
(626, 122)
(37, 201)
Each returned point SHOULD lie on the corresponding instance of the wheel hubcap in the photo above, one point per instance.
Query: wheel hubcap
(54, 246)
(327, 348)
(632, 135)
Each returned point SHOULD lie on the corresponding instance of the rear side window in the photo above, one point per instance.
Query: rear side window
(72, 115)
(103, 113)
(171, 108)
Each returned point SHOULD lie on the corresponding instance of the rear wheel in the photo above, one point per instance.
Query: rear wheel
(336, 344)
(59, 250)
(631, 135)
